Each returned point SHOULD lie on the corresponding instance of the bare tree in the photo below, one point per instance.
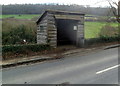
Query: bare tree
(115, 7)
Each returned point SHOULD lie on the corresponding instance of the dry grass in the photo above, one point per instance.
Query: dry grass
(8, 24)
(13, 28)
(109, 31)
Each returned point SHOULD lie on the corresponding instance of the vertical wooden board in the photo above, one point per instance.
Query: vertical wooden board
(80, 30)
(80, 35)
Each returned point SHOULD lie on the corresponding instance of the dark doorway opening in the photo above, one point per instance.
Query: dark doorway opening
(66, 32)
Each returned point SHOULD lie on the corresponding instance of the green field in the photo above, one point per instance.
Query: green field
(25, 16)
(92, 29)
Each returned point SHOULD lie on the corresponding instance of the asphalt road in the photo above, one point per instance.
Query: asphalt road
(94, 68)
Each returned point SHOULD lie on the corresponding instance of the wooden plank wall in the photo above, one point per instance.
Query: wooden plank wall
(42, 33)
(52, 30)
(72, 17)
(49, 33)
(80, 32)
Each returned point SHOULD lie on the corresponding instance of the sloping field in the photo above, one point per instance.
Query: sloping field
(25, 16)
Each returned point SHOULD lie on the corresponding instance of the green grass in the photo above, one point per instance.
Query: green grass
(24, 16)
(92, 29)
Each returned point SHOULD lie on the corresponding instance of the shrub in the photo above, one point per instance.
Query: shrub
(15, 31)
(22, 48)
(101, 40)
(108, 31)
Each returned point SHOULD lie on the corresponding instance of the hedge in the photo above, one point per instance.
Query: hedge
(102, 40)
(23, 48)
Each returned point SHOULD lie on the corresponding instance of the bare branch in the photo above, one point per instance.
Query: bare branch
(115, 3)
(117, 15)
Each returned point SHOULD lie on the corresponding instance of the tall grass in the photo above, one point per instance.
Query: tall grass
(15, 31)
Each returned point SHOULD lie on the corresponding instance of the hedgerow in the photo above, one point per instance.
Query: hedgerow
(23, 48)
(10, 51)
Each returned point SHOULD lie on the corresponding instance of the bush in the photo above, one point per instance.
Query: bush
(15, 31)
(9, 51)
(108, 31)
(101, 40)
(23, 48)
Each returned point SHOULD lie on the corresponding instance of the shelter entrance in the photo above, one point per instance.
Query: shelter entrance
(66, 31)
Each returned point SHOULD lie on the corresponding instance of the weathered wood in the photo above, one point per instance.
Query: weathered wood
(64, 12)
(54, 29)
(42, 32)
(52, 32)
(47, 29)
(44, 21)
(72, 17)
(44, 24)
(51, 22)
(80, 35)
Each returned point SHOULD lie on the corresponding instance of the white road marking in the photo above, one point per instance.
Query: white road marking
(102, 71)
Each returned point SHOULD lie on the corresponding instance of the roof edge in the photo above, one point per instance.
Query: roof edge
(66, 12)
(42, 15)
(57, 12)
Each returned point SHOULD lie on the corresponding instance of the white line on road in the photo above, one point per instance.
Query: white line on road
(107, 69)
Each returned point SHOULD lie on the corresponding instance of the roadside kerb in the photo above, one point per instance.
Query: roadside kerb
(27, 61)
(112, 46)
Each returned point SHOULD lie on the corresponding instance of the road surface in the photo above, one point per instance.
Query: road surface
(95, 68)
